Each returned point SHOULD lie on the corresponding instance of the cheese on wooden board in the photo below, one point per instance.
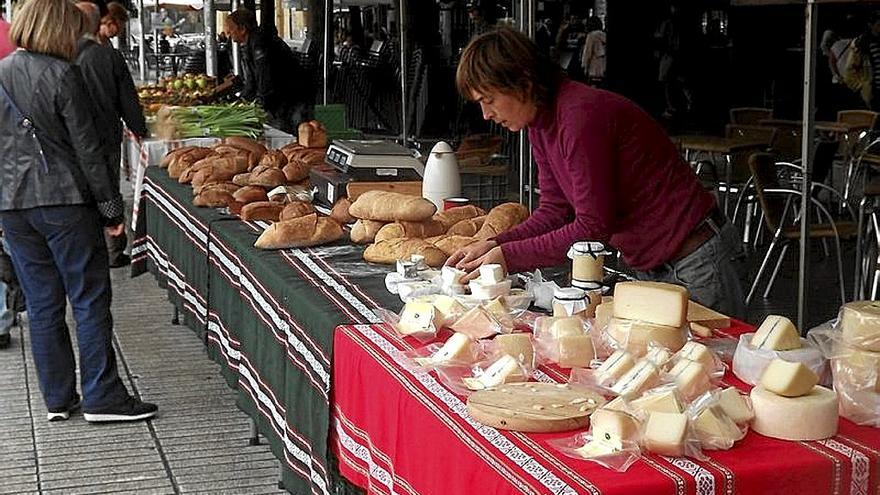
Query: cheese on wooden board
(567, 326)
(860, 324)
(456, 349)
(518, 345)
(734, 405)
(809, 417)
(690, 377)
(613, 427)
(666, 433)
(637, 335)
(698, 352)
(715, 429)
(419, 317)
(788, 379)
(449, 308)
(575, 351)
(653, 302)
(777, 333)
(614, 367)
(639, 378)
(661, 401)
(505, 369)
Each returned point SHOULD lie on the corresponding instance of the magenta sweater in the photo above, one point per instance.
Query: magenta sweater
(607, 172)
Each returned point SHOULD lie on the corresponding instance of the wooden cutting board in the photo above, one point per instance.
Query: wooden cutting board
(534, 407)
(356, 188)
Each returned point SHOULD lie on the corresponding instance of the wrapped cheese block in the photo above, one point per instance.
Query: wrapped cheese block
(860, 323)
(666, 433)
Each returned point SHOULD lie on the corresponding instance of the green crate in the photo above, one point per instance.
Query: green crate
(332, 116)
(345, 134)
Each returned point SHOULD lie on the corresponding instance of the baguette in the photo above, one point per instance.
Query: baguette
(421, 230)
(225, 186)
(180, 163)
(261, 210)
(296, 170)
(388, 252)
(391, 207)
(451, 243)
(211, 175)
(502, 218)
(467, 228)
(229, 150)
(274, 158)
(295, 209)
(312, 134)
(456, 214)
(250, 194)
(364, 231)
(309, 230)
(340, 212)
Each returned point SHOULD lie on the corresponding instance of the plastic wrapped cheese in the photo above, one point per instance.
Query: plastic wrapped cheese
(666, 433)
(636, 336)
(860, 324)
(749, 362)
(810, 417)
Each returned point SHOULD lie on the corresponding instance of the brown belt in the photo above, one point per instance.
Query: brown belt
(705, 230)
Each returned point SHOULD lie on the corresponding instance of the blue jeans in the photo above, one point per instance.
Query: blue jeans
(708, 273)
(58, 253)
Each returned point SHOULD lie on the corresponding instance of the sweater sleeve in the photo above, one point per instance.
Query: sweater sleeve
(553, 210)
(589, 163)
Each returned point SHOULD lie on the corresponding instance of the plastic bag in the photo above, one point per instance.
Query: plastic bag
(428, 332)
(438, 354)
(489, 373)
(692, 378)
(604, 374)
(541, 290)
(750, 362)
(714, 428)
(661, 426)
(663, 398)
(564, 341)
(635, 336)
(489, 291)
(478, 323)
(583, 446)
(859, 324)
(519, 345)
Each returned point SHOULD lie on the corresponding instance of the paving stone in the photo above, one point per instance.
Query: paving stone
(147, 481)
(128, 471)
(9, 488)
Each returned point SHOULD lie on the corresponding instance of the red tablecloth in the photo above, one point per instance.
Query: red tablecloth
(396, 431)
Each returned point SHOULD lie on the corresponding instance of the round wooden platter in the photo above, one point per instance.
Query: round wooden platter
(534, 407)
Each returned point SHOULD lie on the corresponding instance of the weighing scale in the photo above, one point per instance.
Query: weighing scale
(352, 160)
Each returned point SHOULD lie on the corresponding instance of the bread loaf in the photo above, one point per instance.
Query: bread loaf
(309, 230)
(246, 143)
(502, 218)
(467, 228)
(212, 198)
(212, 175)
(266, 211)
(227, 150)
(421, 230)
(242, 179)
(225, 186)
(452, 243)
(274, 158)
(267, 177)
(456, 214)
(388, 252)
(296, 209)
(250, 194)
(391, 207)
(312, 134)
(312, 156)
(296, 170)
(171, 155)
(340, 212)
(364, 231)
(182, 161)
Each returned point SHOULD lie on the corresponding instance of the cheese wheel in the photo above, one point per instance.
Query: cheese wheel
(860, 324)
(653, 302)
(635, 336)
(809, 417)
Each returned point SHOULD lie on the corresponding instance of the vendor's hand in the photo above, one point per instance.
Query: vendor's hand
(470, 253)
(116, 230)
(494, 256)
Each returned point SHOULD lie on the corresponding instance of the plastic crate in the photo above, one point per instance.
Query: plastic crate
(332, 116)
(485, 187)
(344, 134)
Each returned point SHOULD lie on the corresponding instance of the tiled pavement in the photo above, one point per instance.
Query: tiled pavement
(197, 444)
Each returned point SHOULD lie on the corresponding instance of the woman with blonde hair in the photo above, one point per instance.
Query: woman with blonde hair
(55, 197)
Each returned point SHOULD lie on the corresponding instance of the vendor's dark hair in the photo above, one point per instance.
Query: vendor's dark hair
(244, 18)
(507, 61)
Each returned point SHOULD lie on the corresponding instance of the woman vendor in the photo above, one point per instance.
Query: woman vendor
(607, 172)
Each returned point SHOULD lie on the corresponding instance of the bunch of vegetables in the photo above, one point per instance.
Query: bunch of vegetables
(239, 119)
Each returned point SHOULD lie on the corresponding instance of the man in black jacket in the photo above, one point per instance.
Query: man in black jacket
(112, 89)
(273, 77)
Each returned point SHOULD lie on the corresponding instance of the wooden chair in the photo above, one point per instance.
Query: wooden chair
(865, 118)
(749, 115)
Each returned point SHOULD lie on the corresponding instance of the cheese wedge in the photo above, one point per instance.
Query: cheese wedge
(614, 367)
(477, 324)
(449, 308)
(613, 427)
(419, 317)
(813, 416)
(567, 326)
(449, 276)
(504, 370)
(652, 302)
(639, 378)
(617, 404)
(776, 333)
(664, 401)
(734, 405)
(690, 378)
(576, 351)
(788, 379)
(715, 429)
(637, 336)
(706, 317)
(666, 433)
(604, 313)
(456, 349)
(518, 345)
(491, 274)
(696, 351)
(860, 324)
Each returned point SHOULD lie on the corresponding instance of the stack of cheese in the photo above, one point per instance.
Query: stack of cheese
(777, 337)
(790, 406)
(693, 370)
(856, 362)
(564, 341)
(648, 313)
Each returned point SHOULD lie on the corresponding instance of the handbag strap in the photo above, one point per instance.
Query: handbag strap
(26, 123)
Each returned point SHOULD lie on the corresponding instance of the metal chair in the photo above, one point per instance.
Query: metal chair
(779, 204)
(750, 115)
(868, 256)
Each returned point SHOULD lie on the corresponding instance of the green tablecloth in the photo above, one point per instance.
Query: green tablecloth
(266, 316)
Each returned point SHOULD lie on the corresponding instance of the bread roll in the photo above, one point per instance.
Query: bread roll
(212, 198)
(266, 211)
(502, 218)
(467, 228)
(421, 230)
(171, 155)
(456, 214)
(312, 134)
(296, 209)
(267, 177)
(452, 243)
(296, 170)
(211, 175)
(309, 230)
(340, 212)
(364, 231)
(227, 150)
(388, 252)
(274, 158)
(312, 156)
(391, 207)
(250, 194)
(181, 162)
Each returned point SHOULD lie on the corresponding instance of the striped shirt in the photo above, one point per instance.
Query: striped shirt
(874, 56)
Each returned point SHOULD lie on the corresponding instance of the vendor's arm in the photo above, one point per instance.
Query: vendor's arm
(588, 160)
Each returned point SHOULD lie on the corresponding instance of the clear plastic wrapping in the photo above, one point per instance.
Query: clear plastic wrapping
(671, 434)
(565, 341)
(859, 324)
(488, 373)
(458, 350)
(426, 334)
(712, 425)
(585, 447)
(635, 336)
(750, 362)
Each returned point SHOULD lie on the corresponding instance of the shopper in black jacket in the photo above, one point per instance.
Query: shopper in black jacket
(273, 77)
(112, 89)
(56, 195)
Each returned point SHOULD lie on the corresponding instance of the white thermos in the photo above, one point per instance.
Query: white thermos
(441, 178)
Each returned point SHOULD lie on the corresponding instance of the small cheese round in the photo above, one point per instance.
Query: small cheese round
(809, 417)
